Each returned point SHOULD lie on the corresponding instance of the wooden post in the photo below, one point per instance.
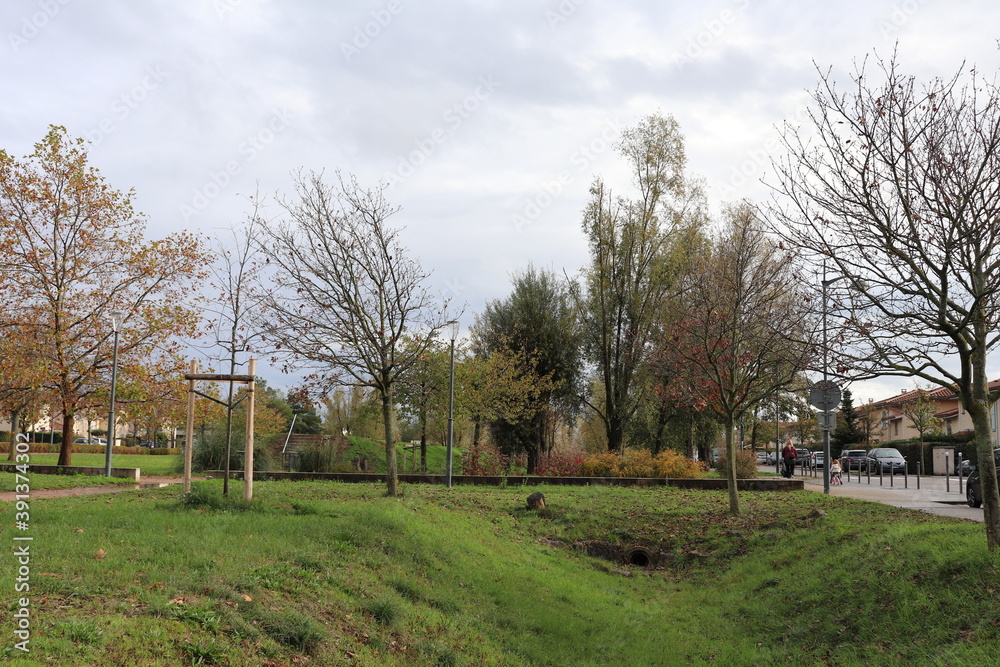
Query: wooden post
(248, 448)
(189, 433)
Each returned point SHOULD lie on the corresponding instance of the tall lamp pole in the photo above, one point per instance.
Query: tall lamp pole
(453, 334)
(833, 394)
(117, 317)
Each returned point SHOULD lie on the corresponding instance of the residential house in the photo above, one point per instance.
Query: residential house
(951, 415)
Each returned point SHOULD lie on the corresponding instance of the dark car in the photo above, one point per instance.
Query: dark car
(853, 459)
(887, 460)
(974, 488)
(802, 455)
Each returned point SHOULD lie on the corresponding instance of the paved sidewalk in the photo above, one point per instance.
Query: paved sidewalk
(932, 496)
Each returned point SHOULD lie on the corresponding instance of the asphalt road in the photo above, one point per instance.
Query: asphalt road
(935, 495)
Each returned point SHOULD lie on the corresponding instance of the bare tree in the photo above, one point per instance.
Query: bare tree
(236, 306)
(346, 300)
(745, 333)
(896, 185)
(921, 410)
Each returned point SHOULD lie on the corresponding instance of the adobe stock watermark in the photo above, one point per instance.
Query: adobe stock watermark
(22, 544)
(125, 104)
(224, 7)
(900, 15)
(757, 160)
(371, 30)
(562, 12)
(248, 150)
(33, 24)
(710, 31)
(582, 157)
(452, 119)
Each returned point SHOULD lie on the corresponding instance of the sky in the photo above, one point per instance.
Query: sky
(489, 119)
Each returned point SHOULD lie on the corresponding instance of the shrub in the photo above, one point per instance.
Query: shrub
(484, 459)
(604, 464)
(559, 465)
(321, 455)
(641, 463)
(746, 465)
(210, 453)
(676, 466)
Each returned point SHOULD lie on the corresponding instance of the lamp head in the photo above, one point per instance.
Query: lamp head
(452, 330)
(117, 318)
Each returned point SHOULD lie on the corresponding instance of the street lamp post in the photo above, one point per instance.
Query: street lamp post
(453, 334)
(117, 317)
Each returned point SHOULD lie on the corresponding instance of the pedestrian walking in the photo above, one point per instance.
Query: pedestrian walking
(788, 454)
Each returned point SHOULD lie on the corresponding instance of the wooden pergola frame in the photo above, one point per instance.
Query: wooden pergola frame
(249, 380)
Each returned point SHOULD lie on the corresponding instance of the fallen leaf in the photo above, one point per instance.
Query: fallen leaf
(179, 600)
(78, 530)
(101, 553)
(247, 598)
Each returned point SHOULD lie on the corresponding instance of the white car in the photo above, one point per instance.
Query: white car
(762, 458)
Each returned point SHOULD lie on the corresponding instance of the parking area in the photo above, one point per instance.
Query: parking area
(936, 494)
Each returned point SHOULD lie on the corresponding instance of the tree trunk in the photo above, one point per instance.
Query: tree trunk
(691, 445)
(66, 449)
(15, 423)
(979, 411)
(391, 477)
(423, 438)
(734, 494)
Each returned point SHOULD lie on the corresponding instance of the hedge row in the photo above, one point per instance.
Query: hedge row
(50, 448)
(632, 463)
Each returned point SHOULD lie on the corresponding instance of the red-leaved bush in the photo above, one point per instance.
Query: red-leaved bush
(559, 465)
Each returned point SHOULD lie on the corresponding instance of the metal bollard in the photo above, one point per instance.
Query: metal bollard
(892, 475)
(919, 471)
(947, 475)
(960, 462)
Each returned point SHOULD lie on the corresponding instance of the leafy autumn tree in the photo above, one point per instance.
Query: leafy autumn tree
(424, 391)
(745, 333)
(502, 385)
(22, 373)
(352, 411)
(345, 300)
(634, 244)
(536, 322)
(73, 250)
(893, 182)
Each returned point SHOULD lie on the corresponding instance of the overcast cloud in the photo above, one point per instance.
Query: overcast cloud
(490, 118)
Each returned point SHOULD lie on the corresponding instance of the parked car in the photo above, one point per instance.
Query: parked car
(802, 455)
(762, 458)
(974, 488)
(772, 458)
(888, 460)
(853, 459)
(818, 459)
(90, 441)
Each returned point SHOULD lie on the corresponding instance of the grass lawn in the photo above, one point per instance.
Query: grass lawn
(329, 574)
(147, 463)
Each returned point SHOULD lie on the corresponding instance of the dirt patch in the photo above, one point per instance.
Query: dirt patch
(146, 483)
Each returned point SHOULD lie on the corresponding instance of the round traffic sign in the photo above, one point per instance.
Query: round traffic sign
(825, 395)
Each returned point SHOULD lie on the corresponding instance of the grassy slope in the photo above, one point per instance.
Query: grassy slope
(375, 452)
(468, 576)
